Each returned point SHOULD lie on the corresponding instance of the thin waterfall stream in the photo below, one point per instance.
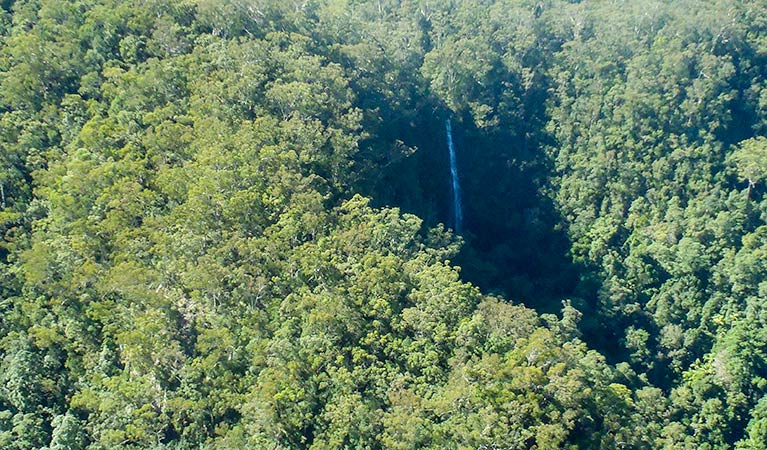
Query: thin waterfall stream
(457, 209)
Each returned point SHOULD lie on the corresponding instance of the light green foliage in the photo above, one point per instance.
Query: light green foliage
(750, 159)
(195, 251)
(756, 433)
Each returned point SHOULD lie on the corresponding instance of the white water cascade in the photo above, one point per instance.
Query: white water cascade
(457, 211)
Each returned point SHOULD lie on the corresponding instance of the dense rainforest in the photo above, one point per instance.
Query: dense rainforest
(228, 224)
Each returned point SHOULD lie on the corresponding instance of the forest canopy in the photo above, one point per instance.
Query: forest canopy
(230, 224)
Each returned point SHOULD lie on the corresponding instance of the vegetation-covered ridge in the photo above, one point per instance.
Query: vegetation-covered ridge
(222, 224)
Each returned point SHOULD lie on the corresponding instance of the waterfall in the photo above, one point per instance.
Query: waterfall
(457, 211)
